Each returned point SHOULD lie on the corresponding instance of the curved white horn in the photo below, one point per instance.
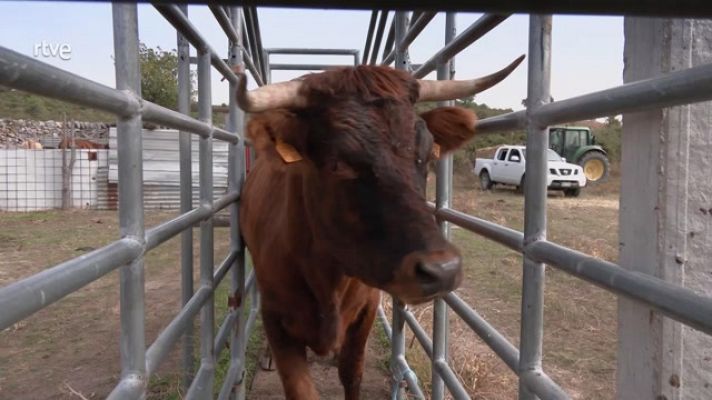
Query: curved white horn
(451, 89)
(269, 97)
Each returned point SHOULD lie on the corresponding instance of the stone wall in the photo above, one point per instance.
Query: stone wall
(14, 132)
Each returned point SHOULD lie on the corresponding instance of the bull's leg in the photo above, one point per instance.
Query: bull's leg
(291, 359)
(353, 351)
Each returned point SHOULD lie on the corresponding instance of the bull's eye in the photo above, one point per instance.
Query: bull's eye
(341, 170)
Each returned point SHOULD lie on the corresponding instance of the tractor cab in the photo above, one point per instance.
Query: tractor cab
(578, 145)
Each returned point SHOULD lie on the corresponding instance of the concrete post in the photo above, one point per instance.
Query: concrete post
(665, 215)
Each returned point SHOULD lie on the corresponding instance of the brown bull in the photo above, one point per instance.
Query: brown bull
(334, 210)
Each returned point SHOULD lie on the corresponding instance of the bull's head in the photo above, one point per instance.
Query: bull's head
(362, 153)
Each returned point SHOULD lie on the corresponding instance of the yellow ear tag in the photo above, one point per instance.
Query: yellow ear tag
(288, 153)
(436, 151)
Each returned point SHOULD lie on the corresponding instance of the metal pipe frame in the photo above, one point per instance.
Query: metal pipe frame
(383, 18)
(681, 304)
(417, 26)
(304, 67)
(532, 321)
(186, 202)
(650, 8)
(475, 31)
(443, 199)
(369, 36)
(253, 26)
(43, 79)
(27, 296)
(31, 294)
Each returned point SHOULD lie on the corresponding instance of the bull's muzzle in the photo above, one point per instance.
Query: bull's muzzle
(424, 275)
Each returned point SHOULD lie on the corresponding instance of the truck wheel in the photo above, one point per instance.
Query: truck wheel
(574, 192)
(595, 166)
(485, 181)
(520, 188)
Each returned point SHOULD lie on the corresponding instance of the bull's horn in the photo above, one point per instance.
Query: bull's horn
(451, 89)
(269, 97)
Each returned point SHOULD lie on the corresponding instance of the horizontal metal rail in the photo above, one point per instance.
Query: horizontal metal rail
(302, 51)
(25, 297)
(158, 351)
(676, 302)
(443, 369)
(505, 122)
(475, 31)
(678, 8)
(501, 234)
(673, 89)
(495, 340)
(25, 73)
(166, 230)
(305, 67)
(226, 326)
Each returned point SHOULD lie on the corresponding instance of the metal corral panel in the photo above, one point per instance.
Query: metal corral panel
(161, 169)
(32, 179)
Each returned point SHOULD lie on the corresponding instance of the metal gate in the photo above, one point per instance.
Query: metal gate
(241, 26)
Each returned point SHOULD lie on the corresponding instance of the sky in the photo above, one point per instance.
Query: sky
(587, 51)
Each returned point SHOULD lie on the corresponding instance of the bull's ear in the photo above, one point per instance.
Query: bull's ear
(451, 127)
(279, 133)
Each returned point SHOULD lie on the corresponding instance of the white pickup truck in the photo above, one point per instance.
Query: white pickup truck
(507, 167)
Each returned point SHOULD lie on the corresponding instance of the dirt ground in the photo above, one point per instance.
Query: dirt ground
(70, 349)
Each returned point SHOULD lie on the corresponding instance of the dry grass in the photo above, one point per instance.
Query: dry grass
(73, 343)
(580, 319)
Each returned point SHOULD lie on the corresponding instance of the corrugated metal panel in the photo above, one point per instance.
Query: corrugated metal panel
(32, 179)
(161, 168)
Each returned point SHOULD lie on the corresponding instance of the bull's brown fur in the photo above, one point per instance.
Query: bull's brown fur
(327, 232)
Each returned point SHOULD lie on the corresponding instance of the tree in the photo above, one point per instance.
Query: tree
(159, 76)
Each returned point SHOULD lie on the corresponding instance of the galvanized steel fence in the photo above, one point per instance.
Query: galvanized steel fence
(241, 26)
(21, 299)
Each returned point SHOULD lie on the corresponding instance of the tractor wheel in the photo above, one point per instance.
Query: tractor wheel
(573, 192)
(485, 181)
(595, 166)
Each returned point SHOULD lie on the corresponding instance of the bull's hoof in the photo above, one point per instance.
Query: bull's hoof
(266, 362)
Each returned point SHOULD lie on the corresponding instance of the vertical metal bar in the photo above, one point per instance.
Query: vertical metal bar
(398, 333)
(235, 176)
(258, 40)
(379, 36)
(186, 198)
(535, 199)
(130, 154)
(443, 196)
(207, 316)
(369, 35)
(390, 38)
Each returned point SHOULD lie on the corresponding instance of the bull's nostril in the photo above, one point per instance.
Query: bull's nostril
(425, 273)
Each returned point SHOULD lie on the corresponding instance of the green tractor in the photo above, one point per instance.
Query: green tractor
(578, 145)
